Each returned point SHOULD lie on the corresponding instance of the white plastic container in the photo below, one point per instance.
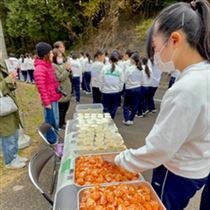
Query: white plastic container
(89, 108)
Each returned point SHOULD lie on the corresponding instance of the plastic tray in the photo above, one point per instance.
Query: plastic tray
(89, 108)
(136, 183)
(109, 157)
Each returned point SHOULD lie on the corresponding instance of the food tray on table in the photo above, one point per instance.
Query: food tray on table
(89, 146)
(101, 172)
(148, 196)
(89, 108)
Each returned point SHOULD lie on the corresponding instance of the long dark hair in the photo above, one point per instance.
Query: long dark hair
(192, 18)
(149, 44)
(114, 58)
(147, 70)
(88, 56)
(137, 59)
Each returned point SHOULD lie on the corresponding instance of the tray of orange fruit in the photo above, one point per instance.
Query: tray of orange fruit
(99, 169)
(127, 196)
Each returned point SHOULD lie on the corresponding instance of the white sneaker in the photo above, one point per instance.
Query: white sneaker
(145, 113)
(140, 116)
(126, 122)
(15, 164)
(130, 122)
(154, 111)
(21, 159)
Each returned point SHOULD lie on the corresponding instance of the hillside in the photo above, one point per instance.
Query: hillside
(117, 30)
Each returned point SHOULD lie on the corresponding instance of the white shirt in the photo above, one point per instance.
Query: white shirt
(88, 66)
(133, 77)
(30, 64)
(14, 62)
(82, 61)
(120, 63)
(95, 73)
(127, 63)
(24, 64)
(111, 82)
(106, 61)
(146, 81)
(76, 69)
(156, 75)
(180, 138)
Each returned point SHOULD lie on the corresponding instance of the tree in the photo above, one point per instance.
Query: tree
(27, 22)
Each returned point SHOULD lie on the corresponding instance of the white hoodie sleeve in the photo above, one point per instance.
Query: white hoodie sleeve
(172, 127)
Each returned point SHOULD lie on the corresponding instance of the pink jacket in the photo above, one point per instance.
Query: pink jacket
(46, 82)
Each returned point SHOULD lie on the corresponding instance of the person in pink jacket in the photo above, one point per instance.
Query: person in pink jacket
(48, 86)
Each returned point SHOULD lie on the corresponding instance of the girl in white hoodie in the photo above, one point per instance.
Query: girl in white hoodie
(96, 69)
(143, 108)
(178, 146)
(133, 78)
(111, 84)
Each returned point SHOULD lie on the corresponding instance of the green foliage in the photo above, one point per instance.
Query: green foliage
(36, 20)
(92, 8)
(29, 21)
(141, 30)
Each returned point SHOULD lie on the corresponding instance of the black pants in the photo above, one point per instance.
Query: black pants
(175, 191)
(205, 201)
(63, 108)
(110, 102)
(97, 96)
(24, 73)
(31, 75)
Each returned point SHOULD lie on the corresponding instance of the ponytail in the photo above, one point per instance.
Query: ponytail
(136, 58)
(147, 70)
(88, 56)
(114, 58)
(139, 65)
(203, 8)
(113, 67)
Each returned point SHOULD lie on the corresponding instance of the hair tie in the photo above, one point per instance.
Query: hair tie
(193, 5)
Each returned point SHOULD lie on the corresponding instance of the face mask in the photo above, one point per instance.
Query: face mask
(164, 66)
(59, 60)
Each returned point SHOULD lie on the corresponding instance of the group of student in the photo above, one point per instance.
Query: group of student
(129, 76)
(24, 66)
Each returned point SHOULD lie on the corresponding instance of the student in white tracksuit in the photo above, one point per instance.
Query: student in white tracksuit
(156, 76)
(31, 68)
(143, 108)
(82, 61)
(178, 146)
(111, 84)
(127, 61)
(87, 73)
(96, 69)
(76, 76)
(23, 66)
(133, 78)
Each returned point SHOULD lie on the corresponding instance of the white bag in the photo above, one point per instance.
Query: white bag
(7, 105)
